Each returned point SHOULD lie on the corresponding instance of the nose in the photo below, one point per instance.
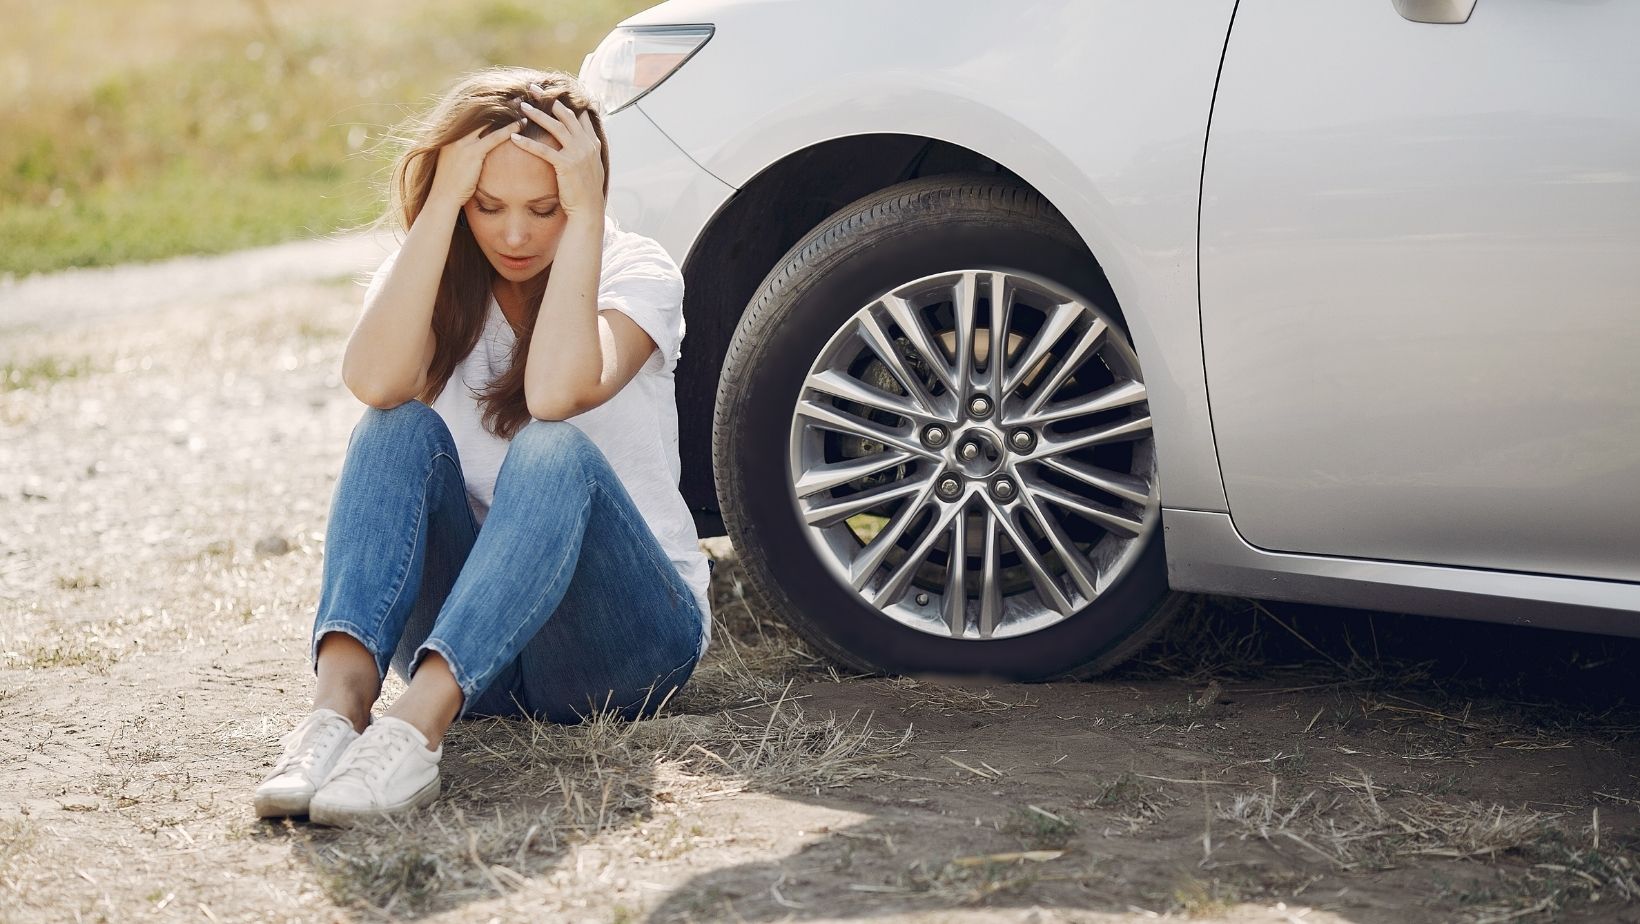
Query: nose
(517, 231)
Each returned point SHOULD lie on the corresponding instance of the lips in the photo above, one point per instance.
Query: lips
(515, 261)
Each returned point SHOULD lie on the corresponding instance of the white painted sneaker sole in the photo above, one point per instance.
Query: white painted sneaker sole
(343, 817)
(282, 804)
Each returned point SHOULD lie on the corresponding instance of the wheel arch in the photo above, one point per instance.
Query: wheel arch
(749, 234)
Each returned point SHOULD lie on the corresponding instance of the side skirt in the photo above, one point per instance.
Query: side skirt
(1205, 554)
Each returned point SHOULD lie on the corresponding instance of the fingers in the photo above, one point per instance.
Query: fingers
(552, 122)
(544, 151)
(491, 141)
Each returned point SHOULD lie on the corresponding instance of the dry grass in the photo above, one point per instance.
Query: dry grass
(1134, 804)
(734, 727)
(564, 786)
(950, 698)
(751, 658)
(1354, 823)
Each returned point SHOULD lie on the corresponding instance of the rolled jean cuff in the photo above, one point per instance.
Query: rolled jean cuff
(469, 696)
(358, 634)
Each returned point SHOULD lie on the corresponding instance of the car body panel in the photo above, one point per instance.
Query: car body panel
(1419, 284)
(655, 188)
(1124, 170)
(1205, 553)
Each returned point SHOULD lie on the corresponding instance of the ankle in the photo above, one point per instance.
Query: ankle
(428, 719)
(356, 712)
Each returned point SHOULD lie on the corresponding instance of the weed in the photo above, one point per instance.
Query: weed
(1038, 828)
(1197, 898)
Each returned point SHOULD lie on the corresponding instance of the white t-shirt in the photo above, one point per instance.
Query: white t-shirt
(637, 429)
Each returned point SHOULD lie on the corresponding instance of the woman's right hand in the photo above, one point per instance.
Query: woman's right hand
(455, 178)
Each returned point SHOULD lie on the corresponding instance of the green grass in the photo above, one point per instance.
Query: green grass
(168, 129)
(41, 370)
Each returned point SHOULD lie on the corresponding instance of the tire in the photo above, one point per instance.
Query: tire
(791, 414)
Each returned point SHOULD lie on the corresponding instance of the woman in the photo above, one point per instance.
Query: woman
(517, 355)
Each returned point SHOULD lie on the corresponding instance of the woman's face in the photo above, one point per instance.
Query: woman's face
(515, 216)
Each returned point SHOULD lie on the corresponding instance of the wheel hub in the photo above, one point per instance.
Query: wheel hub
(977, 452)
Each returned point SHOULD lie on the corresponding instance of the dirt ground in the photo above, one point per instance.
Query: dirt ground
(165, 474)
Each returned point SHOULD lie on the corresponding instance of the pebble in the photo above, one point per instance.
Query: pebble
(272, 545)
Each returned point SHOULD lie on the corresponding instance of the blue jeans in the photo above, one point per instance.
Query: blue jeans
(564, 604)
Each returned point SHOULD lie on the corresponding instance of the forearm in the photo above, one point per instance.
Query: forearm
(566, 359)
(386, 354)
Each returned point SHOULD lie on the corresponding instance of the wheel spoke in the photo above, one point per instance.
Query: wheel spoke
(875, 552)
(1119, 395)
(1085, 347)
(1117, 521)
(872, 332)
(990, 594)
(965, 308)
(832, 511)
(1130, 488)
(894, 588)
(825, 477)
(955, 605)
(905, 317)
(996, 355)
(849, 388)
(1109, 433)
(1059, 321)
(832, 418)
(1081, 570)
(1046, 586)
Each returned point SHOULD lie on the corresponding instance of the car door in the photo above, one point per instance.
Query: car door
(1420, 283)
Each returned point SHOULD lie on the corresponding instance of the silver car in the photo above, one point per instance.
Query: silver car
(1008, 321)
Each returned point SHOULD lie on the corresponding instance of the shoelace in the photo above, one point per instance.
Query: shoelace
(319, 733)
(370, 757)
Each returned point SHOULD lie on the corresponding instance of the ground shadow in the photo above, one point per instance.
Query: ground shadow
(1377, 768)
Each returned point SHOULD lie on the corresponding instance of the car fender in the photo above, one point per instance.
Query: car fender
(1111, 131)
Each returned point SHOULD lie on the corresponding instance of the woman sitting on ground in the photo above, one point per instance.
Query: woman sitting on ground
(507, 531)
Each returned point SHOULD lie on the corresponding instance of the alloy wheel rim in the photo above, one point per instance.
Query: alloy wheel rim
(969, 493)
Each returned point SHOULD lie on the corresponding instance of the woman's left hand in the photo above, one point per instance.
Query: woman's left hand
(576, 160)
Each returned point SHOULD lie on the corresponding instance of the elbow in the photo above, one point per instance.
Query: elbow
(375, 392)
(372, 394)
(557, 407)
(385, 401)
(551, 410)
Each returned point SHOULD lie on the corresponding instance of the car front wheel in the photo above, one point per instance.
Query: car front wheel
(933, 446)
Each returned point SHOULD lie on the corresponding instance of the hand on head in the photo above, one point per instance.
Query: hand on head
(576, 158)
(461, 161)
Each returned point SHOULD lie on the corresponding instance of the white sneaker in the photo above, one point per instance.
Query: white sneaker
(388, 770)
(311, 751)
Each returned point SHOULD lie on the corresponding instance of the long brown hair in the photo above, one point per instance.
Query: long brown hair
(487, 98)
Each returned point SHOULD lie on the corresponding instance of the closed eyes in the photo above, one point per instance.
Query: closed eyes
(538, 214)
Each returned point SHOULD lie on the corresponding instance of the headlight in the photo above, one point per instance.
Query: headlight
(633, 60)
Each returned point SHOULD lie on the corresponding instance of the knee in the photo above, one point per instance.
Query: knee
(549, 443)
(410, 420)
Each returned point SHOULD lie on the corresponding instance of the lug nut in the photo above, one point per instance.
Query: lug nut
(1003, 489)
(922, 599)
(969, 450)
(980, 406)
(934, 436)
(950, 486)
(1022, 440)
